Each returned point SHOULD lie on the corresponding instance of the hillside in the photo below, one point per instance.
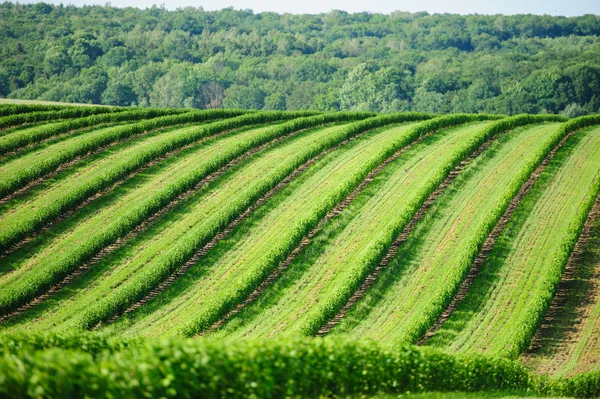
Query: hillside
(327, 62)
(169, 252)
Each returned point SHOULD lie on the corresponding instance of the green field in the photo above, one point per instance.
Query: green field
(230, 253)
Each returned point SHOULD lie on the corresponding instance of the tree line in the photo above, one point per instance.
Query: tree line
(335, 61)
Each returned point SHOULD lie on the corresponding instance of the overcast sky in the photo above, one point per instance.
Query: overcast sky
(551, 7)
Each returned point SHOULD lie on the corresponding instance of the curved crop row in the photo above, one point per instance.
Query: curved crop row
(21, 286)
(306, 208)
(20, 221)
(20, 171)
(566, 343)
(267, 170)
(516, 284)
(264, 369)
(313, 289)
(15, 140)
(41, 116)
(438, 253)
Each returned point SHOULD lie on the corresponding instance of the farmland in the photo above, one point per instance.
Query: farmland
(227, 253)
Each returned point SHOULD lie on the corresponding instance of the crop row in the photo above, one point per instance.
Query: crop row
(32, 135)
(240, 283)
(14, 109)
(266, 369)
(42, 116)
(32, 284)
(565, 344)
(27, 218)
(242, 187)
(22, 170)
(443, 245)
(530, 254)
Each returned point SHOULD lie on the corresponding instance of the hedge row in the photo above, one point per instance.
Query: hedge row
(261, 369)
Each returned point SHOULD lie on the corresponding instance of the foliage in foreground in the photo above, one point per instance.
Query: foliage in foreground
(90, 365)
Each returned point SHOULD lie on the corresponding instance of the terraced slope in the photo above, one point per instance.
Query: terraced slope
(514, 288)
(429, 267)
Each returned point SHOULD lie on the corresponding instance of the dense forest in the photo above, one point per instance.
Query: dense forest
(335, 61)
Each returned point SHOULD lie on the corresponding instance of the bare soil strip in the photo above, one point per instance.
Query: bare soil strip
(572, 302)
(490, 241)
(117, 244)
(307, 239)
(100, 193)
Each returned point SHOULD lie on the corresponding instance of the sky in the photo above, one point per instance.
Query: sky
(508, 7)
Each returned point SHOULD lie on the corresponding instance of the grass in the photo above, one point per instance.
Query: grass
(430, 266)
(515, 286)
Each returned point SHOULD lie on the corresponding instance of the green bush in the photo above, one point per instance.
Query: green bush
(97, 367)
